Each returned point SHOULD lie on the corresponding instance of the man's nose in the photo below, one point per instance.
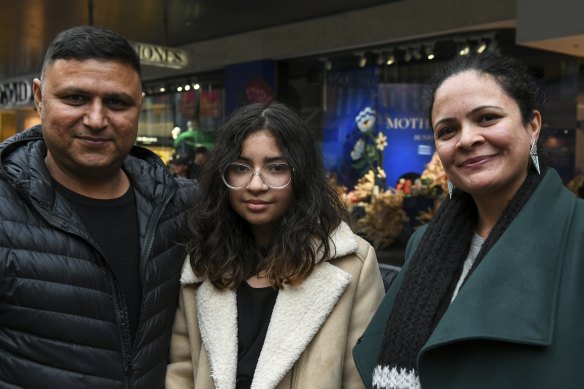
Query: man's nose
(95, 116)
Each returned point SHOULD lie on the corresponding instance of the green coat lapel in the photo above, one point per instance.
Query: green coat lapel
(512, 295)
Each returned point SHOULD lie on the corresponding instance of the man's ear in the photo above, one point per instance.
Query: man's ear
(38, 94)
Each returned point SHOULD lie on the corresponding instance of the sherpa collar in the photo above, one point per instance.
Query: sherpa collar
(342, 239)
(298, 314)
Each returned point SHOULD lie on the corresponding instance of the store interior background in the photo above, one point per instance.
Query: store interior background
(329, 60)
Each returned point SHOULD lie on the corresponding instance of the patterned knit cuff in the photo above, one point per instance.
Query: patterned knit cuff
(385, 377)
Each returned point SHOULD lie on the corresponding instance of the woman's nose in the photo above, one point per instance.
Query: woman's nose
(469, 137)
(257, 183)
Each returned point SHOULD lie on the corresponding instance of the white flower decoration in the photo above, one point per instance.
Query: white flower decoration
(365, 120)
(381, 141)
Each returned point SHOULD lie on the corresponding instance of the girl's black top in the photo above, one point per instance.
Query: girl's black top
(254, 310)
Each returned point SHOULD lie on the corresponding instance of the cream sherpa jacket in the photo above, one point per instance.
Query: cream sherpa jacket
(312, 331)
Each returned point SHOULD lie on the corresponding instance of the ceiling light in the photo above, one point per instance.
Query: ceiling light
(465, 50)
(390, 59)
(493, 46)
(362, 61)
(380, 59)
(429, 52)
(416, 53)
(328, 65)
(407, 56)
(481, 46)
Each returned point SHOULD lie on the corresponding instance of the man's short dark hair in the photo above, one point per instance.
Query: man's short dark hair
(91, 42)
(201, 150)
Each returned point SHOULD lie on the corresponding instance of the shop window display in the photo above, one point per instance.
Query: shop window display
(392, 191)
(181, 120)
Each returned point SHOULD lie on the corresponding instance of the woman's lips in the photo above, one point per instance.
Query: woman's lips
(475, 161)
(256, 205)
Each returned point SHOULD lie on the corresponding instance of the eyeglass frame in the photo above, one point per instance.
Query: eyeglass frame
(258, 173)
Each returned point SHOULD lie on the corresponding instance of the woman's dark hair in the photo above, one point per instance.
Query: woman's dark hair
(512, 76)
(222, 247)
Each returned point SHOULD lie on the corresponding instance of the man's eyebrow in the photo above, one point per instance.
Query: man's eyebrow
(73, 90)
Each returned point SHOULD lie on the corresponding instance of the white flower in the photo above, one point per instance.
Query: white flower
(381, 141)
(365, 120)
(380, 173)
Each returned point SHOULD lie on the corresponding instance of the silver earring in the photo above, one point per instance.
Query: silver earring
(533, 155)
(450, 188)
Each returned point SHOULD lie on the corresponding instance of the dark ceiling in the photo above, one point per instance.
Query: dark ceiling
(28, 26)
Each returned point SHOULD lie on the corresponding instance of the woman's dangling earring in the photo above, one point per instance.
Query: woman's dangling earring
(533, 155)
(450, 188)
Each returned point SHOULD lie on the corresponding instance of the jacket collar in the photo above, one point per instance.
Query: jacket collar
(518, 280)
(342, 241)
(298, 314)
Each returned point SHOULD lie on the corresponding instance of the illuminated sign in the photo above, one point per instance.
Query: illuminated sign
(146, 139)
(15, 92)
(161, 56)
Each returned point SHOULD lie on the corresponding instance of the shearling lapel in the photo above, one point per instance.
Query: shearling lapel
(512, 295)
(298, 314)
(217, 316)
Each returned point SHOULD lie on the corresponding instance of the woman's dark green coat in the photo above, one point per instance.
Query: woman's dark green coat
(518, 322)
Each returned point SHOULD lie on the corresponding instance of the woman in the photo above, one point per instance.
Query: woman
(492, 292)
(278, 288)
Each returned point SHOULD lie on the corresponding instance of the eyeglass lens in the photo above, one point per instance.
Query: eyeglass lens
(275, 175)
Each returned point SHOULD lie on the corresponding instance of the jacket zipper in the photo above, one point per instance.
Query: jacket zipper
(149, 241)
(124, 323)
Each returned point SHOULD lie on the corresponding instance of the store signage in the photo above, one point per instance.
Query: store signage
(15, 92)
(407, 123)
(410, 140)
(161, 56)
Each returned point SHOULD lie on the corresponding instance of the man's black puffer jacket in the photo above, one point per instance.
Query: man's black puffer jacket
(62, 315)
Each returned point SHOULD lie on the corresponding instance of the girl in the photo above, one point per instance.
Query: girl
(277, 289)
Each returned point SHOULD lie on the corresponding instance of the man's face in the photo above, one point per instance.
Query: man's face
(200, 159)
(89, 112)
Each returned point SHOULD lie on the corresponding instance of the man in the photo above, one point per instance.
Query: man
(180, 166)
(201, 155)
(90, 228)
(197, 162)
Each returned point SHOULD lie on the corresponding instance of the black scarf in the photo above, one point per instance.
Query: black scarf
(431, 278)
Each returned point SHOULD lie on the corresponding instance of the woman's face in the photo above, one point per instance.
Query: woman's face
(480, 136)
(261, 206)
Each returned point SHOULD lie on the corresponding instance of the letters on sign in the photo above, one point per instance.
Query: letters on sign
(161, 56)
(15, 92)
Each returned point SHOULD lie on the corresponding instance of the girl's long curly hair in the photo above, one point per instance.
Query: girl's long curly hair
(222, 246)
